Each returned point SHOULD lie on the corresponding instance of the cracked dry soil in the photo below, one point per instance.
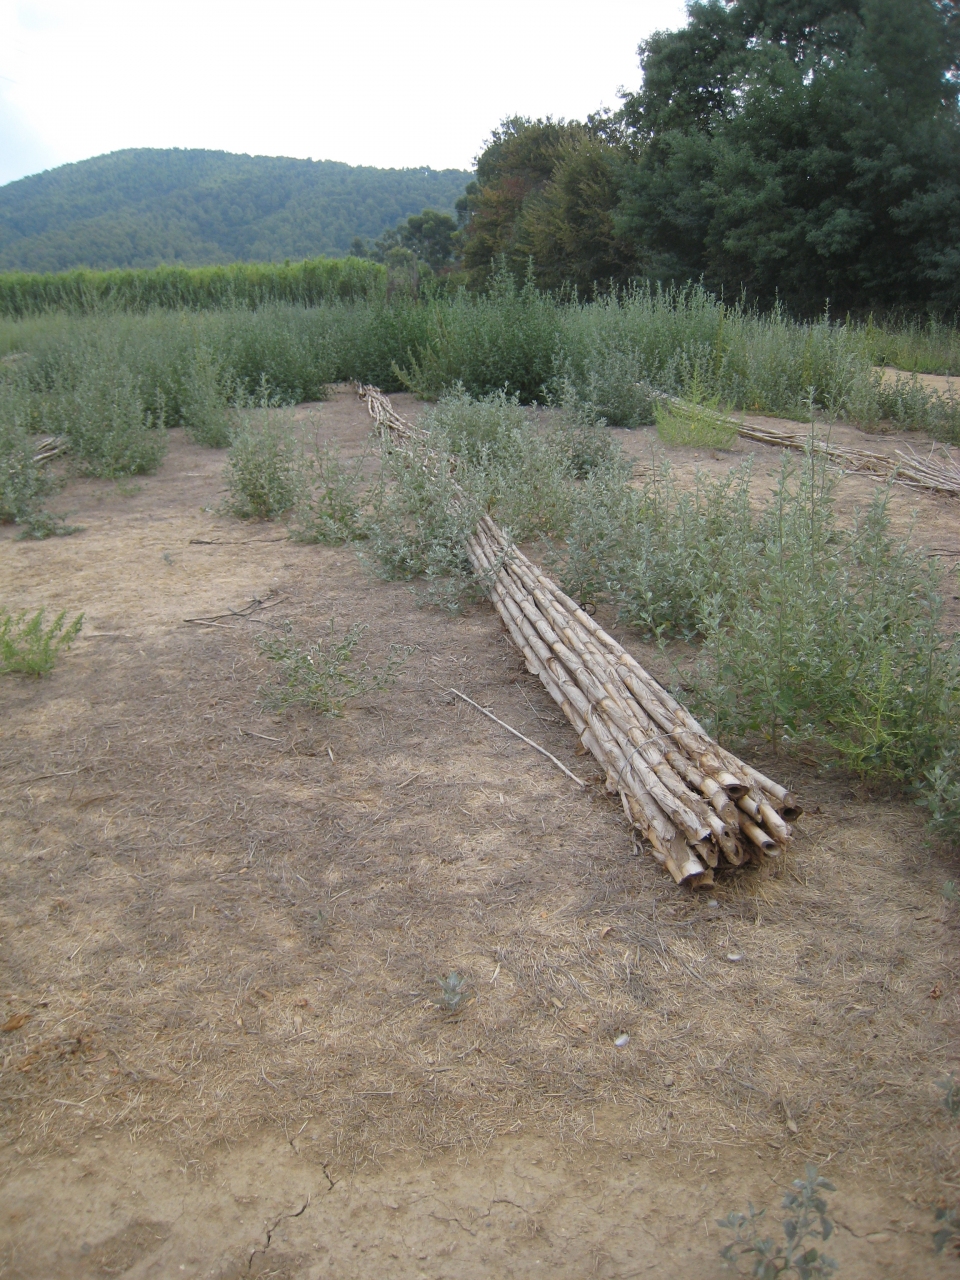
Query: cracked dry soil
(220, 930)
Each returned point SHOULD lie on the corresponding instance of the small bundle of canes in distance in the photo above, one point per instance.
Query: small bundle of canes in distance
(697, 806)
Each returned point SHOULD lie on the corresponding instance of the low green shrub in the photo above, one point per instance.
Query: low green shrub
(266, 471)
(420, 523)
(454, 994)
(610, 357)
(325, 675)
(659, 551)
(836, 637)
(480, 456)
(27, 647)
(931, 346)
(795, 1254)
(939, 794)
(507, 339)
(206, 413)
(331, 508)
(614, 351)
(25, 483)
(808, 631)
(111, 433)
(911, 405)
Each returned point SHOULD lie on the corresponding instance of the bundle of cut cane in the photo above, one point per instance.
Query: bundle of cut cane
(938, 470)
(48, 447)
(697, 806)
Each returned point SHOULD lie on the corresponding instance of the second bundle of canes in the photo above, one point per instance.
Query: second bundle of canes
(695, 804)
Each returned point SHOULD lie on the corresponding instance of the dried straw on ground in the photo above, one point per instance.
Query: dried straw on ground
(697, 806)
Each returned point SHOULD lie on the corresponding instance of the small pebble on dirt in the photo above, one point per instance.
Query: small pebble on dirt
(734, 956)
(622, 1041)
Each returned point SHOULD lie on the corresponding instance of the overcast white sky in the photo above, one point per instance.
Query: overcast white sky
(393, 84)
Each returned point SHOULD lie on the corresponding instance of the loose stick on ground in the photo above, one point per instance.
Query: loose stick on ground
(697, 806)
(517, 734)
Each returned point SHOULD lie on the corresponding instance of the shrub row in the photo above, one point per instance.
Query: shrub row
(111, 381)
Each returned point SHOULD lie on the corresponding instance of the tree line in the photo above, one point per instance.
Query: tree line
(800, 150)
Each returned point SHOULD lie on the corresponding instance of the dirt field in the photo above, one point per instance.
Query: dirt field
(946, 385)
(224, 927)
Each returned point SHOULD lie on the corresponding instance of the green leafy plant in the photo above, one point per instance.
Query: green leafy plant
(27, 647)
(949, 1232)
(266, 471)
(25, 481)
(454, 993)
(207, 417)
(330, 509)
(325, 675)
(950, 1088)
(939, 794)
(481, 455)
(99, 406)
(808, 1221)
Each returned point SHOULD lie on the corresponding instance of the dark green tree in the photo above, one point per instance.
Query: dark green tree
(806, 149)
(432, 236)
(516, 165)
(545, 193)
(567, 230)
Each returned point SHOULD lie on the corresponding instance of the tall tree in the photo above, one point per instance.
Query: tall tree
(806, 148)
(516, 164)
(545, 193)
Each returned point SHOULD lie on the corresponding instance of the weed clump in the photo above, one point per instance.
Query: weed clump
(207, 415)
(453, 995)
(270, 473)
(808, 631)
(835, 635)
(24, 481)
(480, 456)
(266, 472)
(795, 1254)
(330, 508)
(27, 647)
(324, 676)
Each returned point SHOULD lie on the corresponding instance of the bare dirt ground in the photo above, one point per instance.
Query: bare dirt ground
(220, 930)
(946, 384)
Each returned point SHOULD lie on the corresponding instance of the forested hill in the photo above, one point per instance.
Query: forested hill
(143, 207)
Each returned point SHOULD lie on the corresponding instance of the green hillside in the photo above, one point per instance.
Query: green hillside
(143, 207)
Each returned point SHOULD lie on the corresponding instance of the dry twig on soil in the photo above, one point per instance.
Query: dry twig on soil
(517, 734)
(697, 805)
